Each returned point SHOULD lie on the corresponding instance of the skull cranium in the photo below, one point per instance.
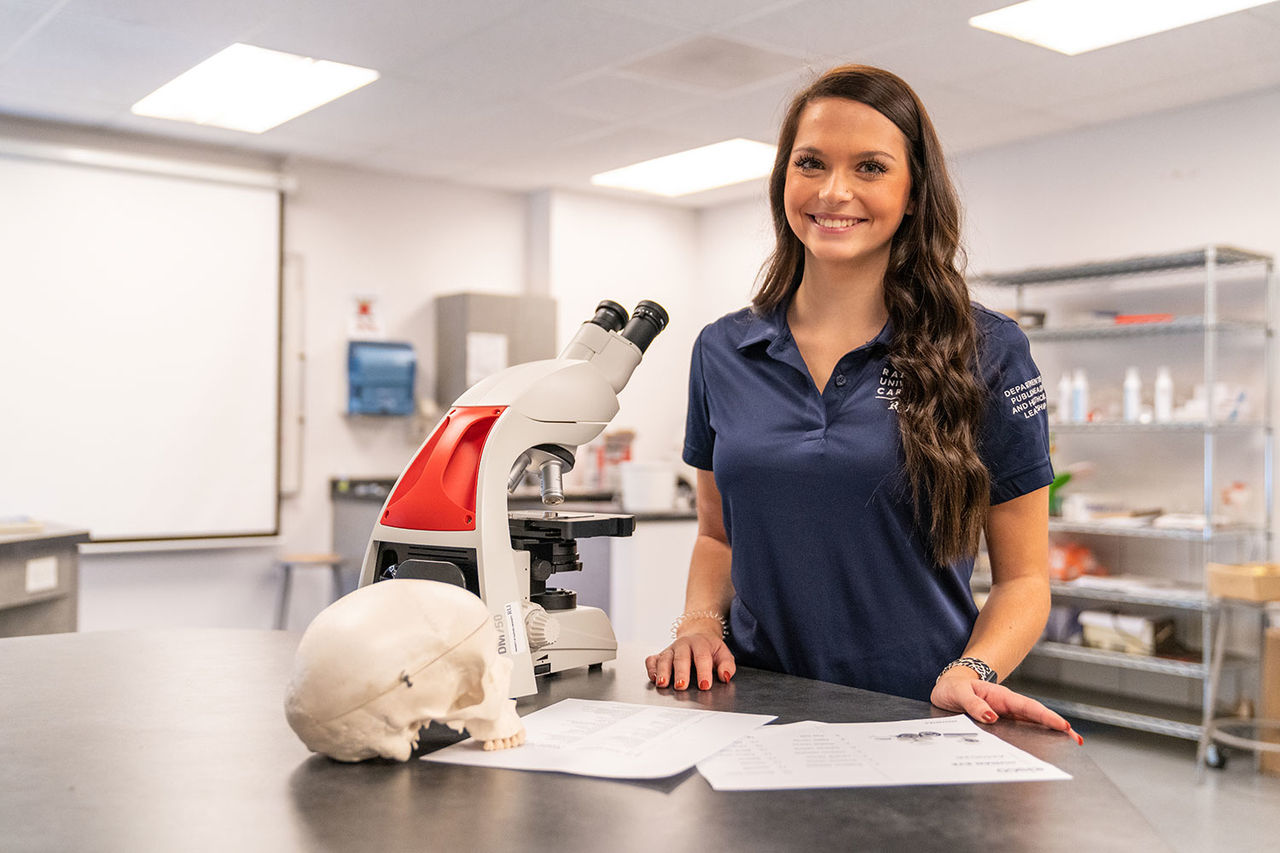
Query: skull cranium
(380, 662)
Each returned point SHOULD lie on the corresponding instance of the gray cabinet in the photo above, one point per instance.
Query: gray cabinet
(480, 333)
(39, 581)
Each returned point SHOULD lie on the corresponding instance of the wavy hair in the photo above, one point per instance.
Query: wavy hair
(934, 346)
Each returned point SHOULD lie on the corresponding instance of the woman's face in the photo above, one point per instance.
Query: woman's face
(848, 182)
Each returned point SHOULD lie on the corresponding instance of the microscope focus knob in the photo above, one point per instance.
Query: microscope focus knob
(542, 628)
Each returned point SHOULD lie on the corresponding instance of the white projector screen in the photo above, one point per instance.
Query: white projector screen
(139, 344)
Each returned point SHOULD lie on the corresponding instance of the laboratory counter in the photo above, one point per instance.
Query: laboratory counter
(176, 740)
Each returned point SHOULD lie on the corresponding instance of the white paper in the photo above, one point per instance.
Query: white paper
(617, 740)
(42, 574)
(365, 322)
(932, 751)
(486, 355)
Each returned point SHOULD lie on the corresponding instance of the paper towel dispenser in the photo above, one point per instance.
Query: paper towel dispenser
(380, 376)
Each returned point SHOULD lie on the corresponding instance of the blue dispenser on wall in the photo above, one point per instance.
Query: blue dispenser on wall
(380, 377)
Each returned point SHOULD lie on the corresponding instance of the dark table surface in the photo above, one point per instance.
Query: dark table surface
(176, 740)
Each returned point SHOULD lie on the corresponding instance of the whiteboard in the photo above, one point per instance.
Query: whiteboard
(140, 352)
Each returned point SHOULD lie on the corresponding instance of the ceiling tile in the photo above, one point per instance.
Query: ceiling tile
(386, 35)
(700, 16)
(547, 43)
(25, 102)
(79, 57)
(620, 96)
(842, 28)
(713, 63)
(224, 21)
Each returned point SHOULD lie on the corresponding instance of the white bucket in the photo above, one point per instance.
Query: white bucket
(647, 487)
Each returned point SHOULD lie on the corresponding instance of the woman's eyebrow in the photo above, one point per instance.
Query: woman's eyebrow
(809, 149)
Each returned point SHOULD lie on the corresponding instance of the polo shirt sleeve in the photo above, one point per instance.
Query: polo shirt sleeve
(1014, 439)
(699, 437)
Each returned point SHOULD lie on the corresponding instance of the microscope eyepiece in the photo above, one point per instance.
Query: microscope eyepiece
(647, 320)
(609, 316)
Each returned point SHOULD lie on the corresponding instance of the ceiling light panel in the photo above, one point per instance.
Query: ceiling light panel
(252, 89)
(721, 164)
(1078, 26)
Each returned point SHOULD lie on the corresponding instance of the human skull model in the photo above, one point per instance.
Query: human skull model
(382, 661)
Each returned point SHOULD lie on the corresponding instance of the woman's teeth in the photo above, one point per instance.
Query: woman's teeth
(827, 222)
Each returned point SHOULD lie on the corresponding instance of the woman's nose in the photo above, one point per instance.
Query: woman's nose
(836, 188)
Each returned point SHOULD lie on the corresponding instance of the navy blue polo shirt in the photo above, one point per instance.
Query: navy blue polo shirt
(832, 575)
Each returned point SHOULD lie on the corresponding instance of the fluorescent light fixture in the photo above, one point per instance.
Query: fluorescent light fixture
(1078, 26)
(252, 89)
(719, 165)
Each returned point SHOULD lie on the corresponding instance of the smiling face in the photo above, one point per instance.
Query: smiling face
(848, 183)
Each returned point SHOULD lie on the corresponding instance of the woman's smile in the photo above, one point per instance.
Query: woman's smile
(833, 223)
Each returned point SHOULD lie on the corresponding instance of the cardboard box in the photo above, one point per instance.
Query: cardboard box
(1248, 581)
(1118, 632)
(1270, 696)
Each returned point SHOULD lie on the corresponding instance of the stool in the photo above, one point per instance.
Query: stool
(288, 562)
(1214, 731)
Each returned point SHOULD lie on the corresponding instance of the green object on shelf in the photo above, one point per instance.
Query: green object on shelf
(1055, 499)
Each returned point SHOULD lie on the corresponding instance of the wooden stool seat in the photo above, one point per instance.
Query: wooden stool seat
(288, 562)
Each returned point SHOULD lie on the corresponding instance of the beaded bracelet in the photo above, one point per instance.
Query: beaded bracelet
(700, 614)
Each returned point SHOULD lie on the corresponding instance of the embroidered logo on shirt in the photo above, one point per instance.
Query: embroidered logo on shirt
(890, 387)
(1027, 398)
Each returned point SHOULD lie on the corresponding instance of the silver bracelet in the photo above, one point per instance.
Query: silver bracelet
(700, 614)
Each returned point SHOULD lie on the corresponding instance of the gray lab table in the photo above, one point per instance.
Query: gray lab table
(176, 740)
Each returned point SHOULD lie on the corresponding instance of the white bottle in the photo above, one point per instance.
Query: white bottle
(1164, 396)
(1132, 395)
(1079, 397)
(1064, 398)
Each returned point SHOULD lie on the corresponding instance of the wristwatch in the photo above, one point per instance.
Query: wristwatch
(985, 672)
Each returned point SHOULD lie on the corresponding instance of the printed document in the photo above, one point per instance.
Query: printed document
(933, 751)
(617, 740)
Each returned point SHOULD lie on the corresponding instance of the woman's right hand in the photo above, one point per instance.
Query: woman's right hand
(707, 653)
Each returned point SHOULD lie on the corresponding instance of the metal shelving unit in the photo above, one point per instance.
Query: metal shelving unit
(1207, 265)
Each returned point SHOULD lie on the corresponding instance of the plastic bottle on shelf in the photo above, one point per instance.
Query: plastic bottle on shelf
(1163, 396)
(1132, 395)
(1064, 398)
(1079, 396)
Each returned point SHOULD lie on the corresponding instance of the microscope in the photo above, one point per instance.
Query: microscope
(446, 518)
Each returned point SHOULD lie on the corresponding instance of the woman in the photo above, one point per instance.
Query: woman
(858, 427)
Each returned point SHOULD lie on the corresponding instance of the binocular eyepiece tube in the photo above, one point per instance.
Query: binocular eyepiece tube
(644, 324)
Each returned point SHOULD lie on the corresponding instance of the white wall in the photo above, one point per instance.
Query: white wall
(1172, 180)
(602, 248)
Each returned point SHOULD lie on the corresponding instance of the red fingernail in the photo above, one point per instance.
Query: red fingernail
(662, 682)
(989, 717)
(679, 685)
(704, 685)
(725, 676)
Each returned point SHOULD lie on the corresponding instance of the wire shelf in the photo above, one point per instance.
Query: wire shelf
(1224, 255)
(1181, 325)
(1194, 427)
(1102, 528)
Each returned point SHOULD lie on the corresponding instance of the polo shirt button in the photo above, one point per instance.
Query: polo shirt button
(840, 380)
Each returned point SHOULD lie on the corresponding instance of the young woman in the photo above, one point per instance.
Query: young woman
(858, 427)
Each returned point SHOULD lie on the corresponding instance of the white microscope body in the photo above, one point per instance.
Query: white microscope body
(446, 518)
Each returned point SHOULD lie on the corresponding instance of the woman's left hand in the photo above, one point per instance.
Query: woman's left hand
(987, 702)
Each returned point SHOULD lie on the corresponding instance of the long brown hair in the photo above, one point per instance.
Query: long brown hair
(934, 346)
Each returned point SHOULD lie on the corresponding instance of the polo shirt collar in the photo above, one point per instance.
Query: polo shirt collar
(773, 329)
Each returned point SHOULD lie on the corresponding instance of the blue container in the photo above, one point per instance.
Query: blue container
(380, 377)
